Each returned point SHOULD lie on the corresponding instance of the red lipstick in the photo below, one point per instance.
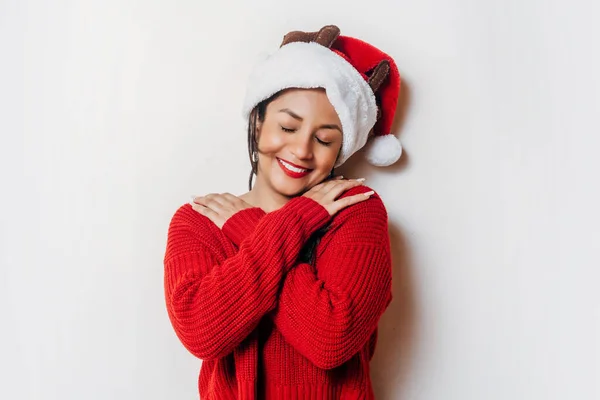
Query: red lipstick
(289, 172)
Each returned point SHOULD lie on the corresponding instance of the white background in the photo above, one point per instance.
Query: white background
(112, 113)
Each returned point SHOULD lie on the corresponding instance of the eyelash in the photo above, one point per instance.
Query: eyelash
(318, 140)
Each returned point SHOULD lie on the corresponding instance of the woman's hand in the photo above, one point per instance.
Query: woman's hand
(326, 194)
(218, 207)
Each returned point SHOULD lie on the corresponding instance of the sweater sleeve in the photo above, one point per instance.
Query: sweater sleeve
(215, 301)
(329, 311)
(241, 224)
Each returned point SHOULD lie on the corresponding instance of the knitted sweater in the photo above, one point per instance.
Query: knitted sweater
(266, 325)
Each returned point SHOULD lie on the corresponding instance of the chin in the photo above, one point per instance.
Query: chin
(287, 187)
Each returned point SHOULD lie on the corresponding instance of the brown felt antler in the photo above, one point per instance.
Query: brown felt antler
(325, 36)
(376, 79)
(380, 72)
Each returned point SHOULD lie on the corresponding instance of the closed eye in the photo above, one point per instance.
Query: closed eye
(324, 143)
(283, 128)
(291, 130)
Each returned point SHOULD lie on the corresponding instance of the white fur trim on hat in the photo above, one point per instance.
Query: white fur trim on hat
(383, 150)
(311, 65)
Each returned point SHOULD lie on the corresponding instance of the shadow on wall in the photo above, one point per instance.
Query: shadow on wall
(391, 364)
(397, 334)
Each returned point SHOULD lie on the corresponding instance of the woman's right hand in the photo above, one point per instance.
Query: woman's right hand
(327, 193)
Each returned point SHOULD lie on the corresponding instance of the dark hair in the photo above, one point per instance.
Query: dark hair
(258, 114)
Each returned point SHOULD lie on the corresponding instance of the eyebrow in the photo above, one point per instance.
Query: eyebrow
(299, 118)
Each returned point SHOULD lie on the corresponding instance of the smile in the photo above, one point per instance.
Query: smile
(292, 170)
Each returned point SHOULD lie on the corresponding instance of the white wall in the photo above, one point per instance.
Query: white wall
(113, 112)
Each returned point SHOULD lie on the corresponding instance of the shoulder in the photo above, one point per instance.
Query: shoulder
(186, 218)
(191, 231)
(360, 223)
(374, 203)
(370, 212)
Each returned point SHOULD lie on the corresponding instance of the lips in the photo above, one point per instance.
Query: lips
(293, 170)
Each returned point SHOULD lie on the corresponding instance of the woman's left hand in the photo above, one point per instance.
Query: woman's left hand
(218, 207)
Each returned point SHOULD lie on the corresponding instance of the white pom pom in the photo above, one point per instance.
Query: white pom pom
(382, 151)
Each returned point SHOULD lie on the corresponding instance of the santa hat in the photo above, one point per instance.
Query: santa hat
(362, 83)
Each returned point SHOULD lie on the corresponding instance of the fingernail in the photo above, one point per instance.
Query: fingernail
(369, 193)
(361, 179)
(340, 177)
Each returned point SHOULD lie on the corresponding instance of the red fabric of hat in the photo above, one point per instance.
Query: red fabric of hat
(365, 57)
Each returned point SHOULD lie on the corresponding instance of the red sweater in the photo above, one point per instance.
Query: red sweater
(266, 325)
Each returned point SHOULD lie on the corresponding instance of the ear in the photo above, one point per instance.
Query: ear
(258, 127)
(254, 120)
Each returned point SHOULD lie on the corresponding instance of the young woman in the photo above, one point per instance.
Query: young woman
(279, 290)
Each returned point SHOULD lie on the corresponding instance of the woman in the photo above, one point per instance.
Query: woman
(279, 290)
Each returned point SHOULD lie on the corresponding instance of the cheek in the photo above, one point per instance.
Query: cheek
(270, 142)
(327, 157)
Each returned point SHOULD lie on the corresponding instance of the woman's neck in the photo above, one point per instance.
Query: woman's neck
(263, 196)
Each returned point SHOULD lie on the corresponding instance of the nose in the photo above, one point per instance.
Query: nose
(302, 147)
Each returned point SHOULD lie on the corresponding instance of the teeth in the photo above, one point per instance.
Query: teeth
(292, 168)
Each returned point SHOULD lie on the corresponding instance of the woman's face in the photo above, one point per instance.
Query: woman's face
(298, 141)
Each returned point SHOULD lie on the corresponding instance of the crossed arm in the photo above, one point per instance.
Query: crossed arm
(326, 311)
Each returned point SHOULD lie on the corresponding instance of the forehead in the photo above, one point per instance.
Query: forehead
(307, 103)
